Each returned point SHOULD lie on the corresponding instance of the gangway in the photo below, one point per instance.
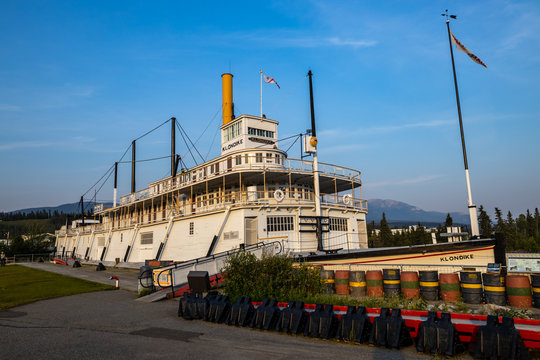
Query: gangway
(171, 278)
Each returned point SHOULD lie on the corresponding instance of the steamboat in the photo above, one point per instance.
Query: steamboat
(253, 193)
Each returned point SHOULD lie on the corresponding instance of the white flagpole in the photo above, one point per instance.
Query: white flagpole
(261, 92)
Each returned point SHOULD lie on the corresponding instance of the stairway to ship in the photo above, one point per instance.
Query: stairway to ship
(172, 280)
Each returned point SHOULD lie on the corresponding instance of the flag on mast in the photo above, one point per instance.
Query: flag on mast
(462, 47)
(269, 80)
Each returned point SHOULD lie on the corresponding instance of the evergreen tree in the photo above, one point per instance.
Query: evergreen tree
(536, 221)
(449, 221)
(484, 222)
(500, 227)
(385, 234)
(531, 225)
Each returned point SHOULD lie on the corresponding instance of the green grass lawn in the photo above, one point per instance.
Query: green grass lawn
(22, 285)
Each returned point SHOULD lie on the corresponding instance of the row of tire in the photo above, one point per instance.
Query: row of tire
(435, 335)
(471, 286)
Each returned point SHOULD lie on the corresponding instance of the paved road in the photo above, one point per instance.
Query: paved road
(128, 277)
(110, 324)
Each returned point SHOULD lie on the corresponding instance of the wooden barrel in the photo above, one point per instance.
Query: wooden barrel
(429, 284)
(494, 290)
(410, 287)
(450, 290)
(374, 281)
(471, 287)
(357, 283)
(518, 289)
(341, 280)
(391, 282)
(535, 279)
(327, 277)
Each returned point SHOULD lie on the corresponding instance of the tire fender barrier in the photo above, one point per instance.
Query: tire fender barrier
(354, 325)
(328, 323)
(500, 341)
(256, 321)
(211, 296)
(390, 330)
(100, 267)
(439, 336)
(234, 318)
(313, 321)
(219, 309)
(293, 318)
(285, 316)
(186, 308)
(270, 315)
(427, 335)
(379, 329)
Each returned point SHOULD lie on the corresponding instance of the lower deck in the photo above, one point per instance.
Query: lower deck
(182, 238)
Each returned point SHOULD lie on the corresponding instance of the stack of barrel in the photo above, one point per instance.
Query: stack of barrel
(472, 286)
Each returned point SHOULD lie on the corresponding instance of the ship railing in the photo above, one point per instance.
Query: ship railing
(174, 275)
(214, 202)
(244, 162)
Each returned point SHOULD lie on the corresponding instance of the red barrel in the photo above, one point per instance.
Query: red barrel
(374, 282)
(410, 287)
(518, 289)
(450, 288)
(341, 281)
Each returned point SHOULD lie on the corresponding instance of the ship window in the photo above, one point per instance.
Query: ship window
(280, 223)
(258, 157)
(147, 238)
(232, 131)
(268, 157)
(191, 228)
(278, 159)
(247, 159)
(238, 159)
(338, 224)
(260, 132)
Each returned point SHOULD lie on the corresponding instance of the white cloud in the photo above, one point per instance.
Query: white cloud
(24, 144)
(6, 107)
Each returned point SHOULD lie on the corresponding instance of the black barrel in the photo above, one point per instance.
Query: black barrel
(471, 287)
(494, 289)
(391, 282)
(535, 284)
(429, 284)
(357, 283)
(327, 277)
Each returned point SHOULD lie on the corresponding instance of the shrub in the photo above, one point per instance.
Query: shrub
(274, 277)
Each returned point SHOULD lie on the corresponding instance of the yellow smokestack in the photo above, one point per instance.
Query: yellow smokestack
(228, 106)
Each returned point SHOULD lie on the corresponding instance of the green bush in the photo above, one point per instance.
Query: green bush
(270, 277)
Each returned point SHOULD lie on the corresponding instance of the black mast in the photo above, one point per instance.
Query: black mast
(133, 166)
(457, 97)
(82, 210)
(173, 147)
(313, 133)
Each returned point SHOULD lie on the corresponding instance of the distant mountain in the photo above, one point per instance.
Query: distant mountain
(400, 212)
(65, 208)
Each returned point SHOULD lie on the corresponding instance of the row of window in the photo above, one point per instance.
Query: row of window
(260, 132)
(286, 223)
(232, 131)
(273, 224)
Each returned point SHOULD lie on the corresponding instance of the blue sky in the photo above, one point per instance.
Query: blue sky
(80, 80)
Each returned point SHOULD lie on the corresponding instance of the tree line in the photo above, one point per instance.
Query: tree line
(521, 233)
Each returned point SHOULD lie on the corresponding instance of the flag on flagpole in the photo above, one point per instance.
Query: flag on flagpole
(462, 47)
(269, 80)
